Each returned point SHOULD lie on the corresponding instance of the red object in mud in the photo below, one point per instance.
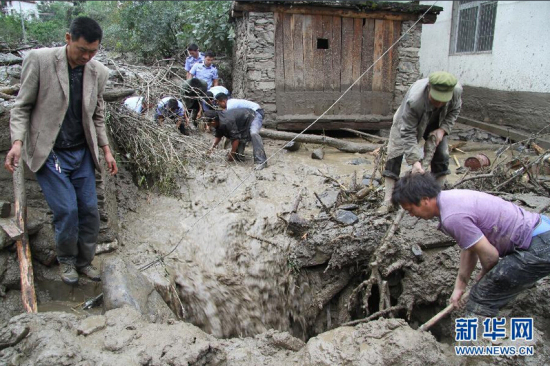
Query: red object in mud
(477, 162)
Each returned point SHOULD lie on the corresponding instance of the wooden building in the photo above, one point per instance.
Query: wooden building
(297, 58)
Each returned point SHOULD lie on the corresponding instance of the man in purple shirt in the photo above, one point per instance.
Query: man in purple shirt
(512, 244)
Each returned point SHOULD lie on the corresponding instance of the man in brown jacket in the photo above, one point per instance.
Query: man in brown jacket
(59, 118)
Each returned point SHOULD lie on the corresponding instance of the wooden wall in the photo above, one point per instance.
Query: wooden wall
(309, 80)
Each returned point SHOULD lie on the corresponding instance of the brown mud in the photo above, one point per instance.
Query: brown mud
(251, 290)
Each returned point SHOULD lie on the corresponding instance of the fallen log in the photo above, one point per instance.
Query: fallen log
(114, 95)
(366, 136)
(345, 146)
(23, 247)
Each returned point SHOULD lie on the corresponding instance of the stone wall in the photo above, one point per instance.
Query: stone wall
(408, 67)
(254, 60)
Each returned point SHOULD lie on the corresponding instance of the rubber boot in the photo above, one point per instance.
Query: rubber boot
(387, 206)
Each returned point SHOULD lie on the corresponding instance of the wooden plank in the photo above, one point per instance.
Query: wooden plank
(318, 54)
(347, 53)
(396, 32)
(387, 60)
(288, 52)
(336, 49)
(356, 54)
(242, 6)
(377, 74)
(504, 131)
(297, 32)
(309, 74)
(11, 228)
(279, 58)
(327, 54)
(367, 53)
(339, 118)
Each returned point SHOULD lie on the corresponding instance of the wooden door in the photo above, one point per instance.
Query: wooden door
(318, 57)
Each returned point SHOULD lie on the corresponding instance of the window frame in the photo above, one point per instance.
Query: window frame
(455, 19)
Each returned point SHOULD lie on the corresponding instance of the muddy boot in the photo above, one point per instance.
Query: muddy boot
(68, 273)
(387, 206)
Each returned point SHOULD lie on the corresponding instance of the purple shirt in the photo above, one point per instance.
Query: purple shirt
(468, 215)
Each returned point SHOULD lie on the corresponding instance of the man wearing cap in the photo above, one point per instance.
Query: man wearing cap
(431, 106)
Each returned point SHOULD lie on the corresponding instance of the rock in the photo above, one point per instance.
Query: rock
(286, 341)
(292, 146)
(417, 251)
(107, 247)
(123, 285)
(15, 71)
(348, 207)
(297, 225)
(43, 246)
(366, 182)
(9, 59)
(329, 197)
(91, 324)
(318, 154)
(346, 217)
(358, 161)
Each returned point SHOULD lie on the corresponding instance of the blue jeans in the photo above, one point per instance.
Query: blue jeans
(71, 195)
(512, 274)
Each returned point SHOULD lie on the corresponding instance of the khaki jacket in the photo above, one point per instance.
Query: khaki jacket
(412, 118)
(43, 99)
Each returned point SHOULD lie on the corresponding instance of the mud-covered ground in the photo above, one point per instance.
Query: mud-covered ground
(251, 291)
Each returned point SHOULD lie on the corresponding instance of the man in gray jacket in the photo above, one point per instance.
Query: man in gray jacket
(59, 118)
(430, 107)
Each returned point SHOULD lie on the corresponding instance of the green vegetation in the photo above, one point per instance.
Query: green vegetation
(149, 29)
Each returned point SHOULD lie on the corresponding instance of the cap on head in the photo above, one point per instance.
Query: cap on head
(442, 85)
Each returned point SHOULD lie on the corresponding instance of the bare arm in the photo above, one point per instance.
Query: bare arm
(215, 82)
(189, 76)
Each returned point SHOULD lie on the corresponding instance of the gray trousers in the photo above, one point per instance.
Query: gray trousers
(257, 143)
(514, 273)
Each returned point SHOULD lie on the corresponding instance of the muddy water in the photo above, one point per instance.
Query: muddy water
(230, 267)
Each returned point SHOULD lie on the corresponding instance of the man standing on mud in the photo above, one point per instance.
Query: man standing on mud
(236, 125)
(430, 107)
(512, 244)
(59, 117)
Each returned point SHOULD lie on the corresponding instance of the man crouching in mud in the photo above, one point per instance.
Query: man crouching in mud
(512, 244)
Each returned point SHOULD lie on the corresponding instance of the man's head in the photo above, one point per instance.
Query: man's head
(171, 108)
(212, 118)
(221, 98)
(83, 40)
(193, 50)
(442, 85)
(417, 194)
(209, 58)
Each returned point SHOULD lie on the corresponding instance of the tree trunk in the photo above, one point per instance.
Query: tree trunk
(113, 95)
(23, 248)
(345, 146)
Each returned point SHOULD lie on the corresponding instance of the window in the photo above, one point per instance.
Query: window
(473, 26)
(322, 44)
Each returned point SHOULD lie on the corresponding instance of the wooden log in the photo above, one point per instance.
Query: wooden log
(367, 136)
(114, 95)
(6, 96)
(23, 248)
(443, 313)
(346, 146)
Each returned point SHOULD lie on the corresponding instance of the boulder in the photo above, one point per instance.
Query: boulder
(318, 154)
(346, 217)
(124, 284)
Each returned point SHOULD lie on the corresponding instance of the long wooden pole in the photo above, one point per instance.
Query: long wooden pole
(443, 313)
(23, 248)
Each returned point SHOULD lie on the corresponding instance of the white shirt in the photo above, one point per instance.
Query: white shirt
(215, 90)
(242, 103)
(135, 104)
